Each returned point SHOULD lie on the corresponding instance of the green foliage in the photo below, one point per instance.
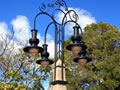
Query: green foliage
(103, 41)
(17, 71)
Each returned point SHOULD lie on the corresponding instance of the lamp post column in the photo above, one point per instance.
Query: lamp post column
(59, 85)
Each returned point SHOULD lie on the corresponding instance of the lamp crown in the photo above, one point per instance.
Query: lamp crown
(45, 54)
(76, 39)
(34, 41)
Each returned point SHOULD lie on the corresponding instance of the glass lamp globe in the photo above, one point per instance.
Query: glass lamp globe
(82, 61)
(33, 51)
(76, 49)
(44, 63)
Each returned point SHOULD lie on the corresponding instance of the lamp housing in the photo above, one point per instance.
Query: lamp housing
(33, 49)
(76, 44)
(44, 62)
(82, 57)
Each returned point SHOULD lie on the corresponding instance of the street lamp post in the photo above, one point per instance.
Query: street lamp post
(77, 46)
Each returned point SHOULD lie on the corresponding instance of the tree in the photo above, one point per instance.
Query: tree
(17, 70)
(103, 41)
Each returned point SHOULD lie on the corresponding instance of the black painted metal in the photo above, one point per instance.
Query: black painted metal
(26, 49)
(34, 33)
(34, 41)
(46, 31)
(59, 82)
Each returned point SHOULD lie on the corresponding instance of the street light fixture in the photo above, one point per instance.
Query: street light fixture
(82, 58)
(44, 61)
(77, 46)
(33, 49)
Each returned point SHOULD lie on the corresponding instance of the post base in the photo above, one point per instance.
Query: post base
(59, 85)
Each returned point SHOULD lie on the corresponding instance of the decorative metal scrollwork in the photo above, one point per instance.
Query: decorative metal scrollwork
(46, 7)
(60, 12)
(73, 16)
(50, 5)
(67, 14)
(59, 3)
(43, 6)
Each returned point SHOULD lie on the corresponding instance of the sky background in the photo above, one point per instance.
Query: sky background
(102, 10)
(20, 14)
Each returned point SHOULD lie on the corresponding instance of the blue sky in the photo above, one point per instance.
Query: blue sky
(15, 11)
(102, 10)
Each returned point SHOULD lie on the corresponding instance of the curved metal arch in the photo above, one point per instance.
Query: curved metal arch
(47, 31)
(58, 10)
(55, 56)
(46, 15)
(63, 27)
(75, 23)
(68, 12)
(62, 47)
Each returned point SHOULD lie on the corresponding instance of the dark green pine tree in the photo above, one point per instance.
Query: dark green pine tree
(103, 42)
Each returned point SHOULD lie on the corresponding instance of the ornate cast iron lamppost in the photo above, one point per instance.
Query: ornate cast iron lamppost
(77, 46)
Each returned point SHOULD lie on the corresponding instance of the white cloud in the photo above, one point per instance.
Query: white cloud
(51, 48)
(5, 41)
(21, 27)
(85, 18)
(50, 43)
(22, 32)
(4, 32)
